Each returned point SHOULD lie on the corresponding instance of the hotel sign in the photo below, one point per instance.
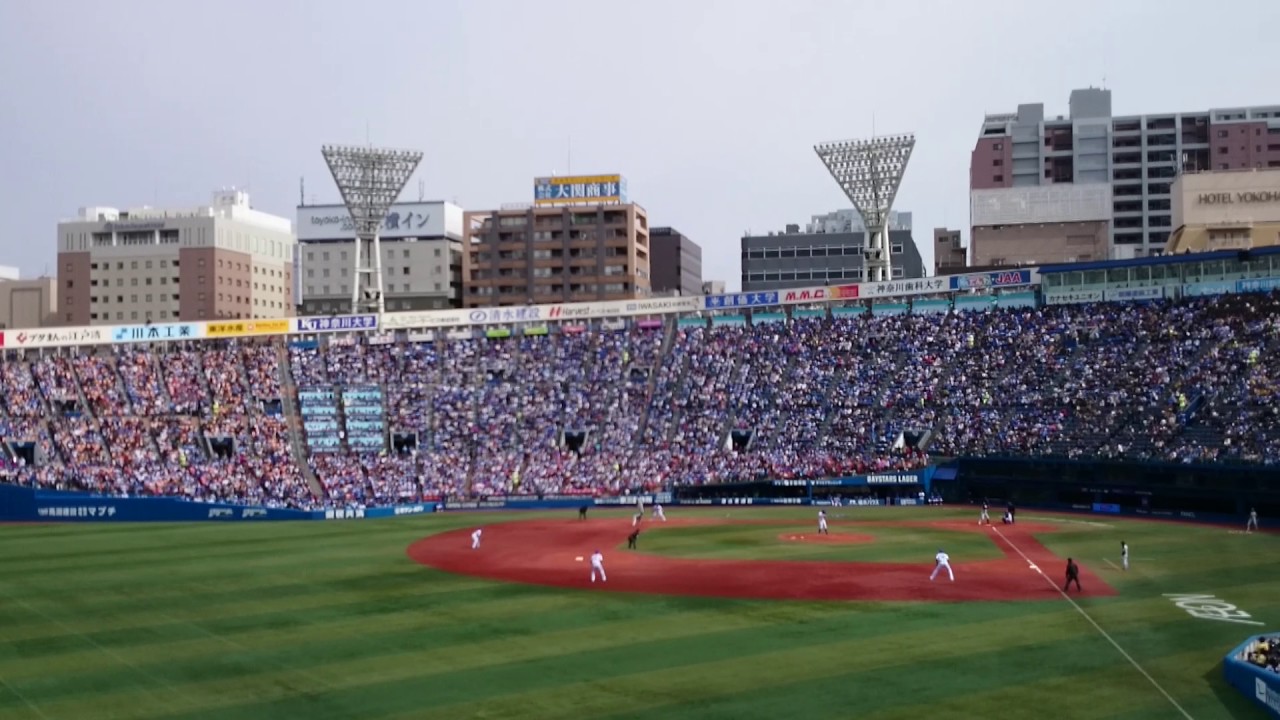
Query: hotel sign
(1243, 198)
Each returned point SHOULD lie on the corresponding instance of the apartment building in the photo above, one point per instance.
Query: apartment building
(1132, 160)
(676, 263)
(556, 253)
(223, 260)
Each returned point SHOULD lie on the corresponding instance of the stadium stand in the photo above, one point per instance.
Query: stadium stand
(350, 423)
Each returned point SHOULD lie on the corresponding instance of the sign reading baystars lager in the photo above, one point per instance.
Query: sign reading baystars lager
(580, 190)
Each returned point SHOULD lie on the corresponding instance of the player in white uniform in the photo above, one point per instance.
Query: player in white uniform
(984, 518)
(657, 512)
(475, 539)
(1124, 554)
(822, 523)
(597, 566)
(942, 560)
(1253, 521)
(635, 519)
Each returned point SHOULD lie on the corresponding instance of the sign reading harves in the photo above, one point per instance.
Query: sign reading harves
(337, 324)
(147, 333)
(580, 190)
(333, 222)
(740, 300)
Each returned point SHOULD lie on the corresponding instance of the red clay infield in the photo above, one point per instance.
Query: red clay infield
(543, 552)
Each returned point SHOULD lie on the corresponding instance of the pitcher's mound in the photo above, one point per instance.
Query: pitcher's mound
(837, 538)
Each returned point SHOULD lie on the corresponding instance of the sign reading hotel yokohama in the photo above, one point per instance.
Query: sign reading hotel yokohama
(1225, 198)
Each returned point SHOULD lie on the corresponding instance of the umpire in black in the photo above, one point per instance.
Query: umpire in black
(631, 539)
(1073, 575)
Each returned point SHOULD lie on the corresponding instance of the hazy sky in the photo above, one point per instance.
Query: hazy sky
(709, 108)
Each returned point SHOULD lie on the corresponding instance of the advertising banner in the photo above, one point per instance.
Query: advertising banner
(741, 300)
(158, 333)
(337, 324)
(1257, 285)
(58, 337)
(1205, 289)
(1133, 294)
(1072, 297)
(982, 281)
(244, 328)
(419, 220)
(898, 288)
(808, 295)
(579, 190)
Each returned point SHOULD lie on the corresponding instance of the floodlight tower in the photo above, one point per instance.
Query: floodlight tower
(370, 179)
(870, 172)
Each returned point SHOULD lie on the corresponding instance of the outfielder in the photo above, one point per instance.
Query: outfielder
(942, 560)
(822, 523)
(657, 512)
(1124, 554)
(1253, 521)
(597, 566)
(475, 539)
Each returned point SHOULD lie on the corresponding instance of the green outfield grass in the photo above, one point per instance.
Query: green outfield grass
(332, 620)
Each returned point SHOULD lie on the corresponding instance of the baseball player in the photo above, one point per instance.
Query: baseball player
(942, 560)
(475, 539)
(822, 523)
(597, 566)
(1253, 521)
(635, 519)
(1124, 556)
(1073, 575)
(657, 512)
(984, 517)
(582, 512)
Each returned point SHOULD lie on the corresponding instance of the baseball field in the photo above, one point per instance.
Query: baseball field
(733, 614)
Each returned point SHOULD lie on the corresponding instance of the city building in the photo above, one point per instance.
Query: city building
(1225, 210)
(224, 260)
(675, 263)
(421, 246)
(27, 303)
(1128, 163)
(850, 220)
(792, 259)
(949, 254)
(580, 240)
(713, 287)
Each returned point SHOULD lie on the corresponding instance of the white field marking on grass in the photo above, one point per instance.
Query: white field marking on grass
(1108, 561)
(1098, 627)
(104, 650)
(22, 697)
(1090, 523)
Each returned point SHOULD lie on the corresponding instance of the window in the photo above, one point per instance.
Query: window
(148, 265)
(1222, 133)
(200, 280)
(997, 162)
(438, 287)
(133, 282)
(437, 253)
(997, 146)
(133, 315)
(997, 178)
(133, 265)
(896, 248)
(200, 262)
(1222, 149)
(71, 284)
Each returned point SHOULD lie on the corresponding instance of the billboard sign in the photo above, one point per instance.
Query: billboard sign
(742, 300)
(155, 333)
(241, 328)
(404, 220)
(983, 281)
(580, 190)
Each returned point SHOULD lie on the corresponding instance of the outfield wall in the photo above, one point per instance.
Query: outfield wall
(24, 504)
(1260, 685)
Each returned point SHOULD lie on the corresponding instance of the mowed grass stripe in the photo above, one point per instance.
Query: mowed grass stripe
(424, 676)
(174, 640)
(877, 661)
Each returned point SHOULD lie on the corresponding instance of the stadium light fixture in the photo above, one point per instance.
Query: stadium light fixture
(370, 180)
(870, 173)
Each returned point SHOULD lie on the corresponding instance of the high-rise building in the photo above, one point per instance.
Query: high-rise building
(27, 303)
(1089, 184)
(224, 260)
(1225, 210)
(421, 245)
(675, 264)
(949, 253)
(555, 254)
(795, 259)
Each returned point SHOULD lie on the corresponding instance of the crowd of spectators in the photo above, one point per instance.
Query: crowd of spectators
(642, 408)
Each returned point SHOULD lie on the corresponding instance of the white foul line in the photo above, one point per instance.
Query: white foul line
(1096, 626)
(1108, 561)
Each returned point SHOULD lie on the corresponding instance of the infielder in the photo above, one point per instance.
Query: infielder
(822, 523)
(984, 518)
(635, 519)
(597, 566)
(657, 512)
(942, 560)
(1253, 521)
(1124, 554)
(475, 539)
